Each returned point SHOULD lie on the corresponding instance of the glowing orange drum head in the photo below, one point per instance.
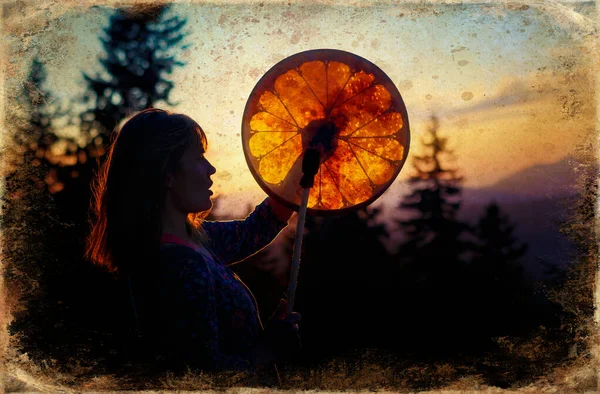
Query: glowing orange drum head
(340, 103)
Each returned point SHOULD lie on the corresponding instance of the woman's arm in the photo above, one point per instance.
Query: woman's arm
(235, 240)
(282, 212)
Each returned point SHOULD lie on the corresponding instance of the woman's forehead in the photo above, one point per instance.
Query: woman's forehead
(196, 148)
(199, 141)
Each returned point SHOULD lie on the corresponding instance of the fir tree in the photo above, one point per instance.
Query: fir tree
(90, 314)
(433, 232)
(140, 46)
(31, 227)
(576, 284)
(497, 247)
(27, 208)
(430, 263)
(497, 277)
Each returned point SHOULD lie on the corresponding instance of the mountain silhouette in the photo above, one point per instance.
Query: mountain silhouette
(538, 201)
(541, 181)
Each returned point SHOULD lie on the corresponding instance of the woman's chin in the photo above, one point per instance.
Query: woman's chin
(206, 206)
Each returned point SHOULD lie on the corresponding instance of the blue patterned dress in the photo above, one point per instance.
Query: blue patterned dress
(209, 317)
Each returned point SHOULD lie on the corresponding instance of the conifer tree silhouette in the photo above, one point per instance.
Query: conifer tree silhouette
(497, 246)
(433, 232)
(26, 208)
(33, 233)
(79, 311)
(497, 276)
(575, 286)
(430, 261)
(140, 45)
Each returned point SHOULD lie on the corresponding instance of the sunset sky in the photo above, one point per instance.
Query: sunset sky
(512, 85)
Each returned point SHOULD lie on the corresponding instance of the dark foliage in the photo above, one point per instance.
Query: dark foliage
(342, 283)
(497, 276)
(429, 264)
(80, 313)
(29, 218)
(460, 286)
(140, 45)
(573, 286)
(453, 291)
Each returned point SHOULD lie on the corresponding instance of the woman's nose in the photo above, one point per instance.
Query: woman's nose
(211, 169)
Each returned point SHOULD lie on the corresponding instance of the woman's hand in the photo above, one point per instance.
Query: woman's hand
(282, 212)
(281, 332)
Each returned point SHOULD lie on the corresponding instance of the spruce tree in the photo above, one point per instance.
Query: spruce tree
(31, 226)
(27, 205)
(140, 45)
(433, 232)
(497, 276)
(81, 313)
(576, 284)
(430, 263)
(497, 246)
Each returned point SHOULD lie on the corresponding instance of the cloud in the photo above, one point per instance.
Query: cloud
(578, 25)
(568, 91)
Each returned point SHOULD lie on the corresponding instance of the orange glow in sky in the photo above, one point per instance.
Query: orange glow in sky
(511, 86)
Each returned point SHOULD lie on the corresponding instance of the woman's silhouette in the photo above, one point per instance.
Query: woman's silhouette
(190, 308)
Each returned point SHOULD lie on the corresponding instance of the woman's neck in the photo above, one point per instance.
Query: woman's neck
(174, 222)
(178, 231)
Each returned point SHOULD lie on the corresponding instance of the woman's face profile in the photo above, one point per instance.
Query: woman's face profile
(189, 186)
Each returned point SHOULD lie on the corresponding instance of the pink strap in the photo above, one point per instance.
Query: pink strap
(173, 239)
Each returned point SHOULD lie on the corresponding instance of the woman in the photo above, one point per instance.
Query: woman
(151, 196)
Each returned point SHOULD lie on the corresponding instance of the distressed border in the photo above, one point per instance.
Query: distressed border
(34, 17)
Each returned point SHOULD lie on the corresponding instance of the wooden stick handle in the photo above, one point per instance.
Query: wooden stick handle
(297, 250)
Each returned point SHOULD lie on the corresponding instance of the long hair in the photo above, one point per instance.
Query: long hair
(130, 190)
